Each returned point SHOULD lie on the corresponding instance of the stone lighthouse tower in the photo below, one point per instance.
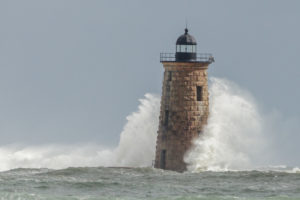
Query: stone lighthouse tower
(184, 102)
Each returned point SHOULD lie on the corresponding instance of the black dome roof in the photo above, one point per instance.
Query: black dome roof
(186, 39)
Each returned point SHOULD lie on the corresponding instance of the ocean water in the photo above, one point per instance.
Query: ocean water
(147, 183)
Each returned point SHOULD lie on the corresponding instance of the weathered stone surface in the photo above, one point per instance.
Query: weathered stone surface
(182, 116)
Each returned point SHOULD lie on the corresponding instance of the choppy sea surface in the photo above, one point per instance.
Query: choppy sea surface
(147, 183)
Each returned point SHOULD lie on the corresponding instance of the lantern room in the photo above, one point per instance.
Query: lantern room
(186, 47)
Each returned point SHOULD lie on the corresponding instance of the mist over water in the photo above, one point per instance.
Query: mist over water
(234, 139)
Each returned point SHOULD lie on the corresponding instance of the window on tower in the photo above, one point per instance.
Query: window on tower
(199, 93)
(166, 121)
(170, 76)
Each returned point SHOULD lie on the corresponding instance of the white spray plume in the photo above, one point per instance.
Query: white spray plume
(232, 140)
(136, 147)
(233, 136)
(138, 139)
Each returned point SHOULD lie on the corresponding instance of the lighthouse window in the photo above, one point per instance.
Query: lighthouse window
(166, 118)
(186, 48)
(199, 93)
(183, 48)
(170, 76)
(194, 48)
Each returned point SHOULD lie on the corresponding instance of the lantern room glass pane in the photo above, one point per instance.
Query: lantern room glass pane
(186, 48)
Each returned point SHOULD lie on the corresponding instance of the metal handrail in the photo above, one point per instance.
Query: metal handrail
(200, 57)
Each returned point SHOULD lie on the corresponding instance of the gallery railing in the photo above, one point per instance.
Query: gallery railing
(200, 57)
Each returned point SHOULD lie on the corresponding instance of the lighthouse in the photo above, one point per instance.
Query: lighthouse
(184, 105)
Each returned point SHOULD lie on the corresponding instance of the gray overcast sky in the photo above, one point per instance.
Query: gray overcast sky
(71, 71)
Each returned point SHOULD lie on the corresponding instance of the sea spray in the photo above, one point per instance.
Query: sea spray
(233, 137)
(136, 147)
(138, 138)
(231, 140)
